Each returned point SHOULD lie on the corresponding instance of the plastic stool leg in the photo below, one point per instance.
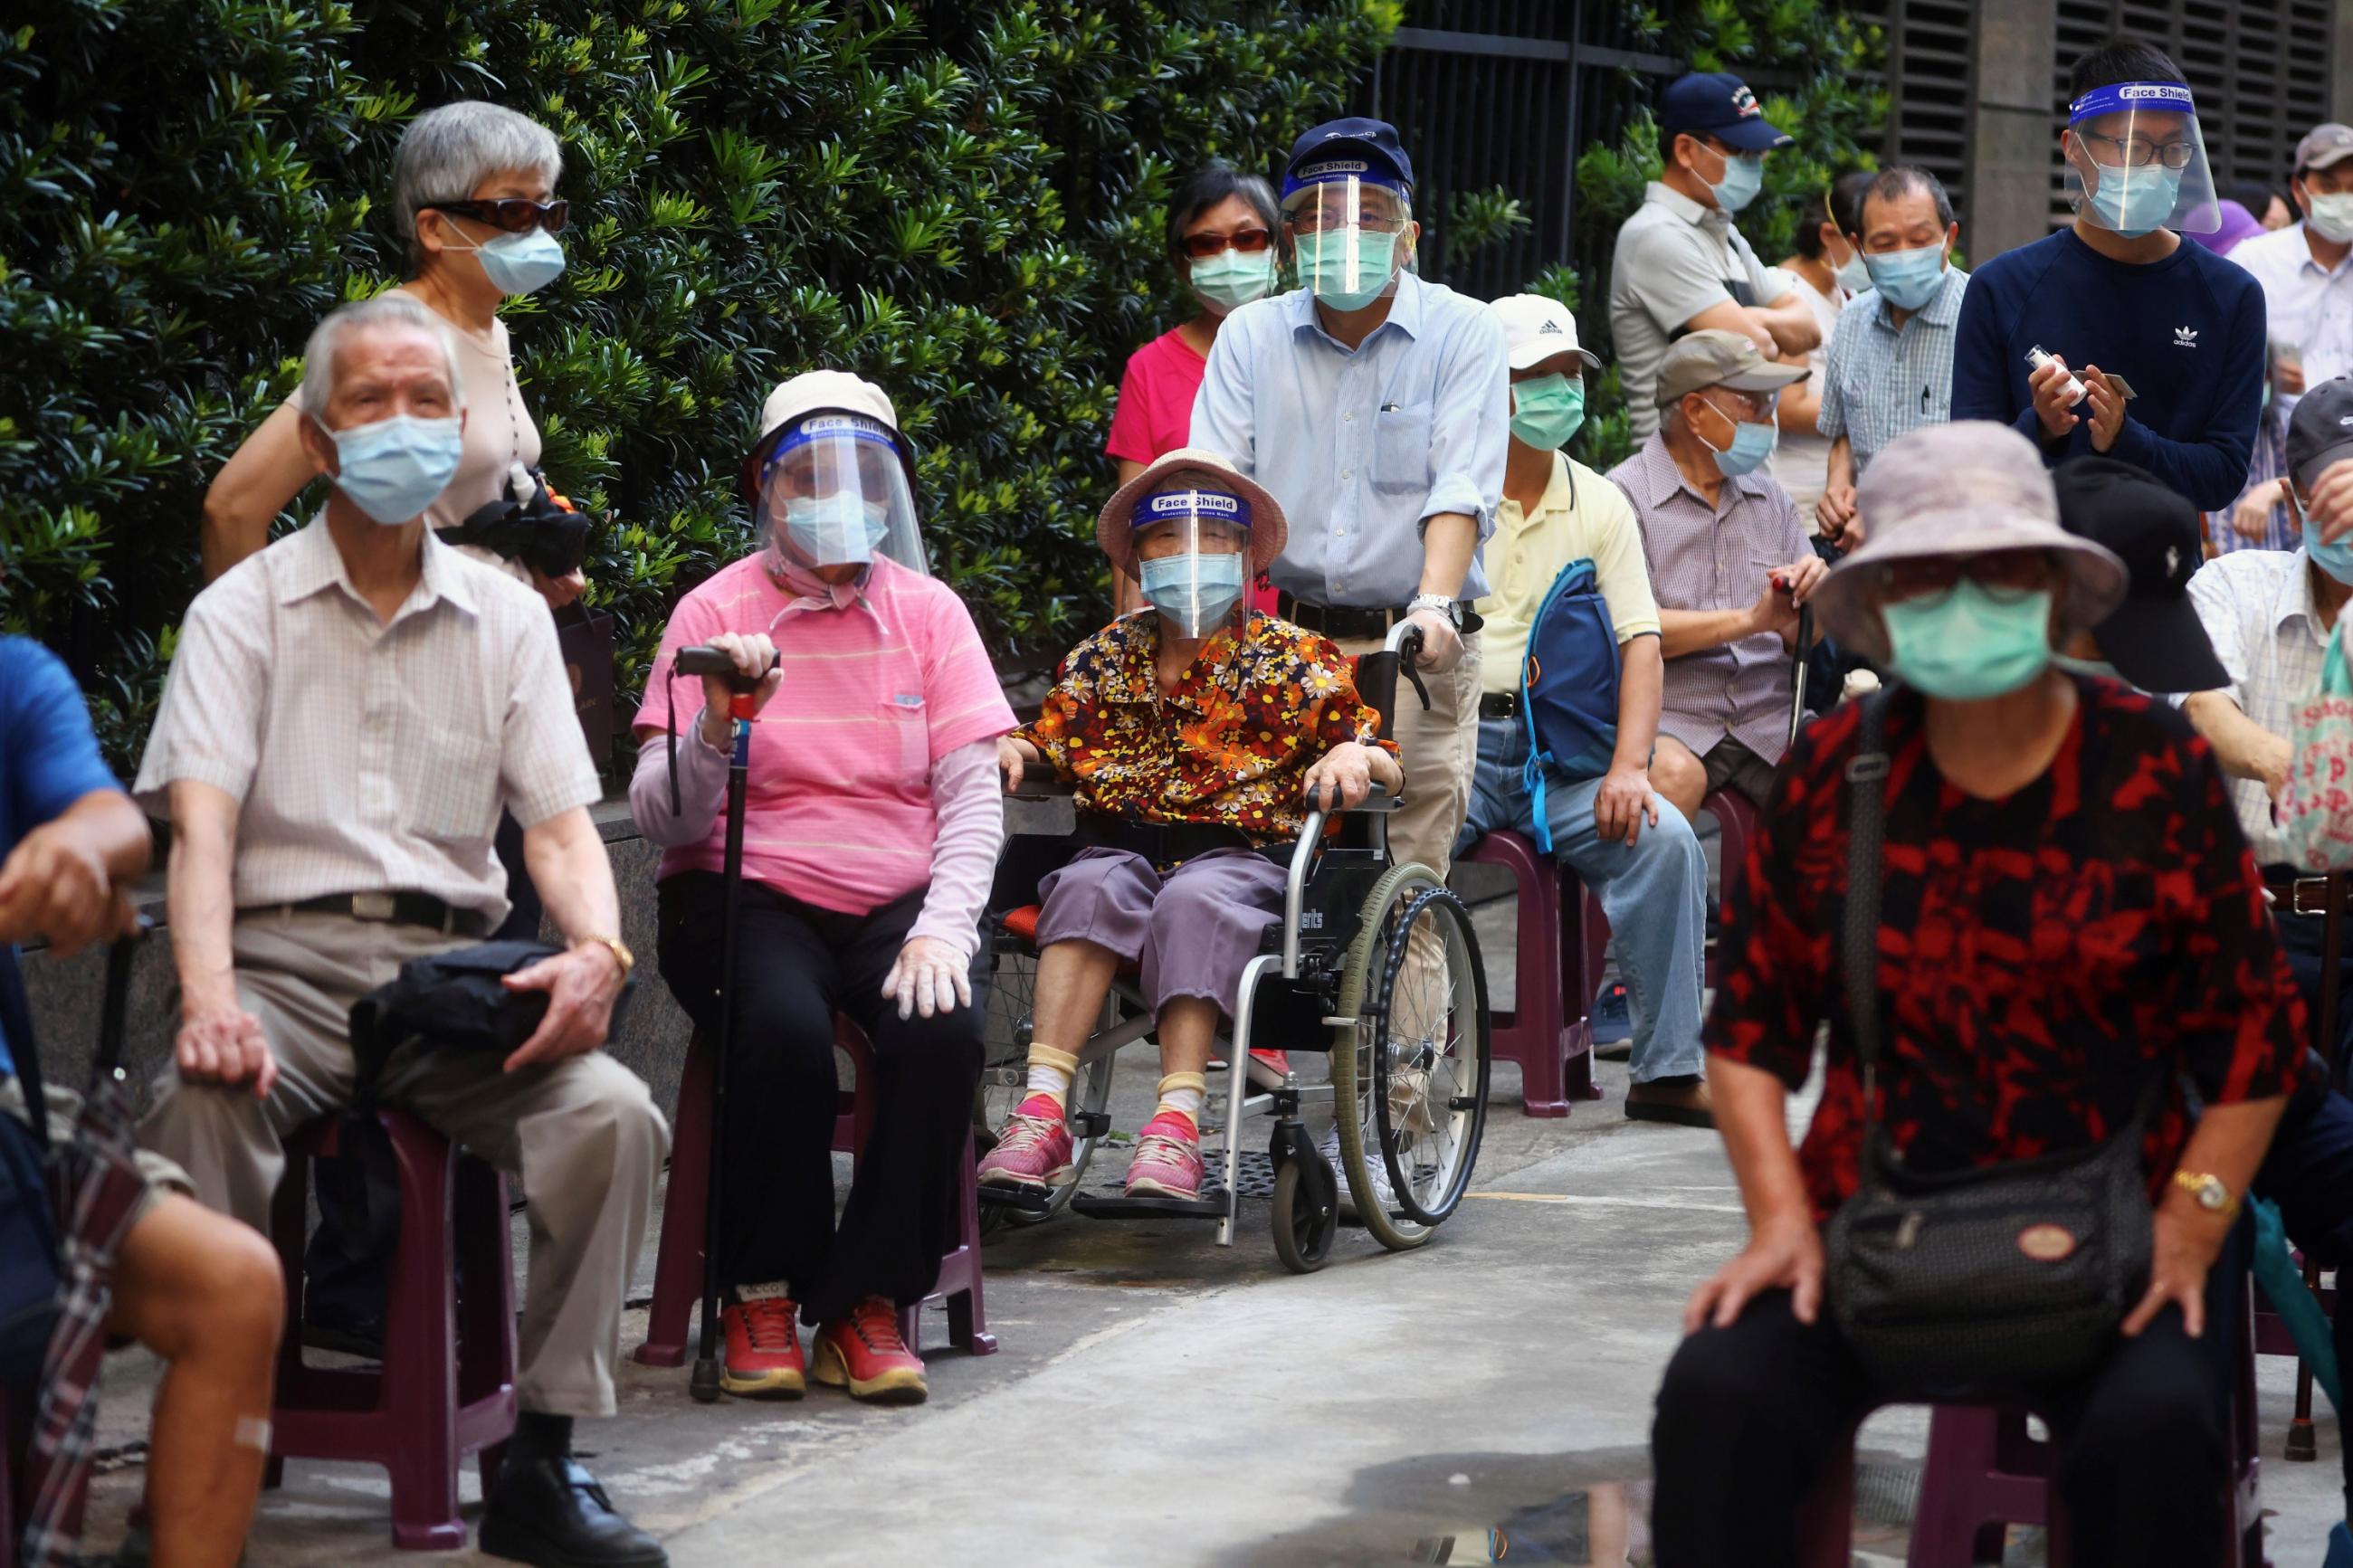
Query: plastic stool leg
(420, 1328)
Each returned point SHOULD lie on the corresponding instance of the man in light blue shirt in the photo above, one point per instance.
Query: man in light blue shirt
(1376, 408)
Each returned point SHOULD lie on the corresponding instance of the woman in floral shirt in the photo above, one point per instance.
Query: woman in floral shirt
(1195, 731)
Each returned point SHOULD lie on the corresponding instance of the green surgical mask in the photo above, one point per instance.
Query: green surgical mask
(1969, 643)
(1324, 266)
(2094, 667)
(1546, 410)
(1232, 279)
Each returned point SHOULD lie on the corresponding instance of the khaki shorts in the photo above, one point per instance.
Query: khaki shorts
(161, 1175)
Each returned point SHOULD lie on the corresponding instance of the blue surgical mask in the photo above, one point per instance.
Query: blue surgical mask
(394, 469)
(2334, 557)
(1324, 266)
(519, 263)
(1194, 592)
(1969, 643)
(838, 529)
(1854, 274)
(1743, 178)
(2136, 201)
(1908, 280)
(1751, 445)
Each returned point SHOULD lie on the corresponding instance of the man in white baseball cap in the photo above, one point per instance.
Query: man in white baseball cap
(1601, 816)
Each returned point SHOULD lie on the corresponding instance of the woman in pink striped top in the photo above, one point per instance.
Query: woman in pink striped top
(873, 825)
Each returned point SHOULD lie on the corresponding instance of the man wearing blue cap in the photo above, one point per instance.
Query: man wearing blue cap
(1376, 408)
(1680, 265)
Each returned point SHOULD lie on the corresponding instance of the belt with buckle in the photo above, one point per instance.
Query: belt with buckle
(2302, 895)
(393, 909)
(1345, 623)
(1499, 705)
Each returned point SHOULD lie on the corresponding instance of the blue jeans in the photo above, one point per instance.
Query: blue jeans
(1655, 893)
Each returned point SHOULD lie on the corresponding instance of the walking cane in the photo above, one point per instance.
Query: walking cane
(1797, 672)
(706, 660)
(2301, 1441)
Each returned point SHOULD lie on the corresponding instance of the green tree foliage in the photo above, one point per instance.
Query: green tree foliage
(962, 202)
(1811, 65)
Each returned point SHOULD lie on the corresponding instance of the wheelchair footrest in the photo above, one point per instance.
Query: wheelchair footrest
(1103, 1205)
(1089, 1123)
(1026, 1199)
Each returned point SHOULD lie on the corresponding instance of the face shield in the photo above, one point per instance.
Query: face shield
(1192, 556)
(834, 493)
(1352, 231)
(2136, 161)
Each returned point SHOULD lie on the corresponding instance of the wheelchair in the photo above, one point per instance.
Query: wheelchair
(1373, 963)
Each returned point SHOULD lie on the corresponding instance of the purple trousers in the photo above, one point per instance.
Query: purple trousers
(1192, 932)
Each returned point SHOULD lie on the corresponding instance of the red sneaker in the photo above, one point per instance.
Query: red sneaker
(864, 1354)
(763, 1349)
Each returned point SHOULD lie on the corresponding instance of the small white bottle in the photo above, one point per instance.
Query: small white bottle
(2038, 358)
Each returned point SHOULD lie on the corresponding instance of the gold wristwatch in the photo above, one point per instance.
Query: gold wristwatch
(619, 950)
(2213, 1194)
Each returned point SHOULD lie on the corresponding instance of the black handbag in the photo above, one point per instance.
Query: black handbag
(1986, 1282)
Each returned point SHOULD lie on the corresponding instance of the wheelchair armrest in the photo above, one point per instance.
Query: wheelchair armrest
(1042, 786)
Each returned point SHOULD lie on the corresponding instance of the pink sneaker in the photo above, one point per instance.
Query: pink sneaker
(1033, 1151)
(1167, 1162)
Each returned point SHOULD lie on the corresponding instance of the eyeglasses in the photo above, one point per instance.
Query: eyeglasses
(516, 214)
(1316, 220)
(2006, 574)
(2139, 152)
(1250, 241)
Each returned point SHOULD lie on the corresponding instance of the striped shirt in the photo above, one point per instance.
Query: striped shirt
(840, 812)
(1716, 558)
(1881, 380)
(2265, 463)
(2257, 608)
(365, 756)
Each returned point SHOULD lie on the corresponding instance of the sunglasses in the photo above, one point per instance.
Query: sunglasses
(2007, 573)
(1250, 241)
(516, 214)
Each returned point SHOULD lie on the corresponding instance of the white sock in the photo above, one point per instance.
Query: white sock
(1185, 1093)
(1052, 1072)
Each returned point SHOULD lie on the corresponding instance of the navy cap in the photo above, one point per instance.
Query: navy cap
(1717, 104)
(1338, 144)
(2320, 431)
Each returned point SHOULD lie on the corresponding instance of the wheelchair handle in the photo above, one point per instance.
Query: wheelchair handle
(1406, 641)
(704, 660)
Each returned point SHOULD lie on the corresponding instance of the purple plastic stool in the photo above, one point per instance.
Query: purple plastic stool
(1736, 823)
(1552, 1046)
(424, 1410)
(1985, 1472)
(678, 1263)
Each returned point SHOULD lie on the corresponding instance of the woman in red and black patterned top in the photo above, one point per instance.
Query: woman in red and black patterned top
(2068, 912)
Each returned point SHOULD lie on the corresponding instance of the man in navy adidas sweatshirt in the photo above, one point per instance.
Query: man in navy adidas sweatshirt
(2119, 294)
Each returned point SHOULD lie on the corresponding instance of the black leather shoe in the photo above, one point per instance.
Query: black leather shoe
(552, 1514)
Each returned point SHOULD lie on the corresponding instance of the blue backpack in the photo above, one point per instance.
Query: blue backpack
(1568, 688)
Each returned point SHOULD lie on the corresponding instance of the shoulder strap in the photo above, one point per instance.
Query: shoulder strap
(1866, 777)
(17, 1029)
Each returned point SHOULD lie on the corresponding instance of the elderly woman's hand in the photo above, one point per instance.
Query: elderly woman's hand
(927, 974)
(1012, 758)
(1783, 1254)
(1343, 776)
(559, 591)
(752, 655)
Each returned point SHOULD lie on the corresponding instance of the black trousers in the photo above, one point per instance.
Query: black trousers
(1748, 1414)
(798, 966)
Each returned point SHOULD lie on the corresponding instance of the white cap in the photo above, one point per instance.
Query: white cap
(1537, 329)
(815, 392)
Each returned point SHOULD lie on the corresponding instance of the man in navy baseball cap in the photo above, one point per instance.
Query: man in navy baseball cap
(1680, 265)
(1373, 141)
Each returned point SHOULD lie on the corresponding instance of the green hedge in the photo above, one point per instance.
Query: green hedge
(962, 202)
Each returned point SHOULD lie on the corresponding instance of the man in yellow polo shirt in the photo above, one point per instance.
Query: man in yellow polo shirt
(1625, 841)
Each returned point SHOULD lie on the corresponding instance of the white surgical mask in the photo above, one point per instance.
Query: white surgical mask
(2332, 216)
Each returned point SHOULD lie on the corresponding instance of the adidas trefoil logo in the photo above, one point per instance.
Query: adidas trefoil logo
(2184, 337)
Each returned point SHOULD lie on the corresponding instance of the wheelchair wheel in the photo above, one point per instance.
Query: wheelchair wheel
(1004, 1081)
(1306, 1215)
(1410, 1079)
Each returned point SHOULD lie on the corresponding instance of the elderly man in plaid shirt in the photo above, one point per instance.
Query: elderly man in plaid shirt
(348, 711)
(1729, 566)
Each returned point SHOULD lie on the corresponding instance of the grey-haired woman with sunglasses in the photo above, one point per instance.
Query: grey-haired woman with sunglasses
(1224, 239)
(474, 189)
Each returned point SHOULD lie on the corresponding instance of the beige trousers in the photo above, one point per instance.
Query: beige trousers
(1439, 753)
(584, 1135)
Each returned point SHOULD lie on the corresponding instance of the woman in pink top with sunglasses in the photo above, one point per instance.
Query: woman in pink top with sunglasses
(1225, 238)
(871, 826)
